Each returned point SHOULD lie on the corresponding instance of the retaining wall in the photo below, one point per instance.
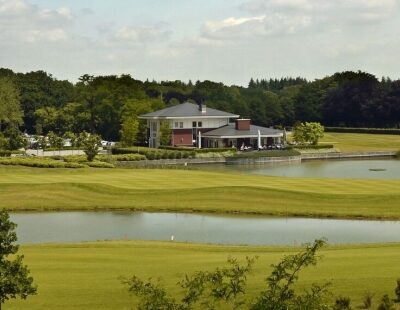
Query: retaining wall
(339, 155)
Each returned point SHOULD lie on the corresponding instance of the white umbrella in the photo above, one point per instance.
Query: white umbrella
(259, 140)
(199, 144)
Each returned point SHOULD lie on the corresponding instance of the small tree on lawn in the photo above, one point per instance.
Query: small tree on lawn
(129, 131)
(308, 132)
(53, 140)
(90, 143)
(14, 275)
(165, 133)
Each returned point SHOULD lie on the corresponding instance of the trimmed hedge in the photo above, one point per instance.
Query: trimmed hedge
(383, 131)
(203, 150)
(4, 153)
(39, 163)
(269, 153)
(99, 164)
(121, 157)
(310, 147)
(152, 154)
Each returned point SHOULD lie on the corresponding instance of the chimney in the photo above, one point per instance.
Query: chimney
(243, 124)
(203, 108)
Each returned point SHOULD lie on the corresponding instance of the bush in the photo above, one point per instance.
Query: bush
(386, 303)
(121, 157)
(152, 154)
(39, 163)
(255, 154)
(74, 158)
(384, 131)
(195, 150)
(310, 146)
(342, 303)
(99, 164)
(4, 153)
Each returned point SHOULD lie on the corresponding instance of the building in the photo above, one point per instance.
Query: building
(200, 126)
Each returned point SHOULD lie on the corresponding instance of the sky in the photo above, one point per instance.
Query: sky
(226, 41)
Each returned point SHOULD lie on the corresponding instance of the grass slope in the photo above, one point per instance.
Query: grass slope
(86, 276)
(355, 142)
(23, 188)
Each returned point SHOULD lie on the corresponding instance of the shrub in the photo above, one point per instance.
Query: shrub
(195, 150)
(310, 146)
(75, 165)
(342, 303)
(384, 131)
(99, 164)
(74, 158)
(386, 303)
(152, 154)
(39, 163)
(367, 301)
(397, 291)
(4, 153)
(121, 157)
(283, 153)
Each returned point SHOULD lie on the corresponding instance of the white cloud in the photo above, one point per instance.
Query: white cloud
(142, 34)
(13, 7)
(52, 35)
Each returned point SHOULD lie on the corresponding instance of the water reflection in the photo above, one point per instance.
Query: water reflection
(219, 229)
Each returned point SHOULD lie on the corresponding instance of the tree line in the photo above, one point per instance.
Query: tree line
(37, 103)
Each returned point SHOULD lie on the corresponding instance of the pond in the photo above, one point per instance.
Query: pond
(200, 228)
(355, 169)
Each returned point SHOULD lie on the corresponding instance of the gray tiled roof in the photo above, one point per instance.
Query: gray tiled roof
(231, 131)
(187, 109)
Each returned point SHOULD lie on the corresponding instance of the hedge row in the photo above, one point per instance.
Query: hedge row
(121, 157)
(5, 153)
(99, 164)
(40, 163)
(154, 153)
(310, 147)
(272, 153)
(8, 153)
(203, 150)
(387, 131)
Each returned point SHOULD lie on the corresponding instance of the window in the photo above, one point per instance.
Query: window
(199, 124)
(194, 124)
(180, 124)
(176, 125)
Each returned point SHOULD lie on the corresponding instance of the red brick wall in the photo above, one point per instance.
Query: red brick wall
(243, 124)
(182, 137)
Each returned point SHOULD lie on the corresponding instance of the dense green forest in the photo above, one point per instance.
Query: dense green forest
(100, 104)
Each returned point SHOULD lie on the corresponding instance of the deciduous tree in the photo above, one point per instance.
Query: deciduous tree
(15, 280)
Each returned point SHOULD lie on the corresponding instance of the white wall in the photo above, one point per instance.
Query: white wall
(206, 123)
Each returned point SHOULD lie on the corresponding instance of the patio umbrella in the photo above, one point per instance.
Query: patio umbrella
(199, 144)
(259, 140)
(284, 136)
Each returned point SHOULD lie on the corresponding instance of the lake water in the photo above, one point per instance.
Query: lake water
(219, 229)
(358, 169)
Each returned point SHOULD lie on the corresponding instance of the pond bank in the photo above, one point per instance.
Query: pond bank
(255, 160)
(199, 228)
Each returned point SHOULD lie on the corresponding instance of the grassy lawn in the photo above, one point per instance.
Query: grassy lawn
(354, 142)
(23, 188)
(86, 276)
